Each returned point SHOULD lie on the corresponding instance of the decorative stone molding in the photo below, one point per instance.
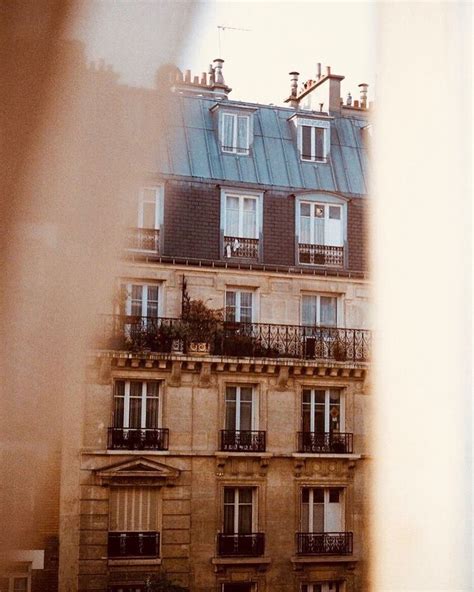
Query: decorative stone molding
(139, 471)
(175, 378)
(205, 375)
(242, 465)
(283, 376)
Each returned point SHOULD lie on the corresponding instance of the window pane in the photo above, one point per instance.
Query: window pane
(309, 304)
(242, 127)
(249, 222)
(232, 216)
(20, 585)
(318, 517)
(229, 513)
(335, 212)
(230, 415)
(118, 412)
(136, 300)
(152, 412)
(334, 411)
(229, 494)
(246, 393)
(328, 311)
(245, 495)
(334, 496)
(245, 415)
(152, 303)
(306, 142)
(319, 143)
(245, 519)
(318, 496)
(135, 417)
(305, 223)
(149, 213)
(227, 131)
(319, 231)
(230, 306)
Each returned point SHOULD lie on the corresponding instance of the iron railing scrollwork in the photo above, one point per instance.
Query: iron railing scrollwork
(321, 255)
(243, 441)
(171, 335)
(325, 442)
(324, 543)
(143, 239)
(120, 438)
(134, 544)
(241, 248)
(250, 545)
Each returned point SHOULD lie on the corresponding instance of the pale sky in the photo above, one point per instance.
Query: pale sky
(281, 37)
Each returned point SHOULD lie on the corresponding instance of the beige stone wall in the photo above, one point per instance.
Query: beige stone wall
(193, 411)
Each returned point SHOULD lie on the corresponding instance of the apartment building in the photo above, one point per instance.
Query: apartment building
(227, 398)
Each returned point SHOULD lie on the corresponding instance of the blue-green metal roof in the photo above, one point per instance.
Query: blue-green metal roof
(191, 149)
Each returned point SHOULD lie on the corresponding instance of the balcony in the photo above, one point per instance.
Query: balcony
(143, 239)
(261, 340)
(241, 545)
(242, 441)
(133, 544)
(321, 255)
(138, 439)
(324, 543)
(325, 443)
(241, 248)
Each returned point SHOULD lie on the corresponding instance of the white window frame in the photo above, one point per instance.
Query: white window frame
(312, 123)
(238, 292)
(241, 195)
(327, 404)
(144, 395)
(255, 406)
(144, 306)
(323, 199)
(235, 149)
(326, 504)
(313, 205)
(236, 489)
(331, 586)
(339, 307)
(159, 190)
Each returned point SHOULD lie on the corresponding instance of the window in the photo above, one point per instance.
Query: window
(235, 133)
(323, 411)
(141, 300)
(321, 587)
(134, 522)
(19, 584)
(241, 224)
(321, 510)
(320, 224)
(149, 208)
(239, 510)
(239, 306)
(241, 412)
(313, 140)
(319, 310)
(241, 587)
(136, 404)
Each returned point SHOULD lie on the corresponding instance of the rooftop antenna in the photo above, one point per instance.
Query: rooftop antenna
(223, 28)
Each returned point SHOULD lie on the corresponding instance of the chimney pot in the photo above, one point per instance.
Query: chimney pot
(318, 70)
(204, 78)
(218, 77)
(187, 76)
(196, 80)
(321, 105)
(328, 70)
(349, 99)
(356, 103)
(294, 83)
(363, 94)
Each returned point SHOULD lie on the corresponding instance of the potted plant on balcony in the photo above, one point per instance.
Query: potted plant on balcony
(200, 326)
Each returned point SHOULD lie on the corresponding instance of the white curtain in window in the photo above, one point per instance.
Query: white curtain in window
(242, 133)
(334, 227)
(228, 122)
(249, 221)
(319, 224)
(328, 313)
(232, 216)
(305, 223)
(309, 310)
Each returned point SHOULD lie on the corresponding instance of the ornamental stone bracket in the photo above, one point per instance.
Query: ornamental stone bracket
(139, 471)
(329, 469)
(242, 464)
(283, 368)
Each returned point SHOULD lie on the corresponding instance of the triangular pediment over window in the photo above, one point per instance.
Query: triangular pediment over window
(139, 471)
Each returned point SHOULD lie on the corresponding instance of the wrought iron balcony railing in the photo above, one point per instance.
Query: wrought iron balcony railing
(325, 442)
(138, 439)
(247, 545)
(241, 248)
(165, 335)
(143, 239)
(324, 543)
(321, 255)
(243, 441)
(134, 544)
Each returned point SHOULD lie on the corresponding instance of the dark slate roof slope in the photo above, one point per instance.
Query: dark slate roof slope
(191, 148)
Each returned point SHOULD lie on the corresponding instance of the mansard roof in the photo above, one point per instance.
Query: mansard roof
(191, 149)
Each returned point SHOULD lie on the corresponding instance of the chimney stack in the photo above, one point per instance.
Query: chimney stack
(218, 77)
(318, 70)
(363, 94)
(294, 83)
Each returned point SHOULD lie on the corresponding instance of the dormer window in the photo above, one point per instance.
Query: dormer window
(313, 136)
(235, 127)
(235, 133)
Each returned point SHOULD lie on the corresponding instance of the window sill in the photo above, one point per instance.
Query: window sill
(224, 454)
(135, 561)
(348, 456)
(241, 560)
(298, 559)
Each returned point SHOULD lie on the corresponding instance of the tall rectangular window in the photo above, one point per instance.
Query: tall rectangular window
(239, 510)
(241, 216)
(322, 411)
(239, 306)
(321, 509)
(321, 587)
(319, 310)
(235, 133)
(134, 509)
(320, 224)
(141, 300)
(149, 208)
(313, 143)
(136, 404)
(240, 408)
